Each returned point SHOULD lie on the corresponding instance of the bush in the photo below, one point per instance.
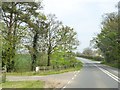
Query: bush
(22, 63)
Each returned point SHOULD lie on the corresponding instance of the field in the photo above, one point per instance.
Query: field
(23, 84)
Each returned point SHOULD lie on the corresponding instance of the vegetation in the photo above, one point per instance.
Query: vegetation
(96, 58)
(30, 38)
(46, 72)
(23, 84)
(23, 66)
(88, 52)
(108, 41)
(14, 14)
(91, 54)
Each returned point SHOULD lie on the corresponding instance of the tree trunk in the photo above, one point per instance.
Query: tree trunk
(48, 64)
(49, 55)
(33, 62)
(34, 55)
(10, 51)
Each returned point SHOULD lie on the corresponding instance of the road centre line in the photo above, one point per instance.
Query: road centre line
(63, 88)
(72, 78)
(75, 74)
(69, 82)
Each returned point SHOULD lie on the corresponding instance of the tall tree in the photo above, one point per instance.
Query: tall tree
(38, 29)
(52, 34)
(14, 15)
(66, 44)
(68, 39)
(107, 40)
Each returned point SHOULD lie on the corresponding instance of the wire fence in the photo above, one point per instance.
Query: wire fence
(42, 70)
(48, 68)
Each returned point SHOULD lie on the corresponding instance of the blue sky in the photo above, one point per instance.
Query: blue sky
(84, 16)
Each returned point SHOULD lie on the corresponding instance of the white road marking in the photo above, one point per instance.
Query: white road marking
(103, 70)
(72, 78)
(75, 74)
(63, 88)
(69, 82)
(109, 74)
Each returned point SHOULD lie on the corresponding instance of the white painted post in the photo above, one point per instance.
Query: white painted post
(37, 69)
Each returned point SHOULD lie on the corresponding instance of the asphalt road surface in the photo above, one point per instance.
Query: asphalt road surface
(94, 75)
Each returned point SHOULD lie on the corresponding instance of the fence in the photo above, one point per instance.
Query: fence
(50, 68)
(3, 76)
(47, 68)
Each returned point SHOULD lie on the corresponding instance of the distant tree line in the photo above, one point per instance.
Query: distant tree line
(88, 53)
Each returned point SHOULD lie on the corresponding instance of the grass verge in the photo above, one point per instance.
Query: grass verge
(23, 84)
(115, 65)
(49, 72)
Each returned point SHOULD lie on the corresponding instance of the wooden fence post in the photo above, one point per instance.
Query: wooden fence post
(4, 75)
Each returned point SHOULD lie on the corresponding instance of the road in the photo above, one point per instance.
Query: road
(94, 75)
(51, 81)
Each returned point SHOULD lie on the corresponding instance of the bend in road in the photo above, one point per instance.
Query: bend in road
(94, 75)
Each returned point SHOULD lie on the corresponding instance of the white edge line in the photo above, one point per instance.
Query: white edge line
(109, 74)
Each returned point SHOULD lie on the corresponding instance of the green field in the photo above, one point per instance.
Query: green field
(23, 84)
(58, 65)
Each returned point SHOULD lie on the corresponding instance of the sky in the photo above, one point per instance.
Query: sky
(85, 16)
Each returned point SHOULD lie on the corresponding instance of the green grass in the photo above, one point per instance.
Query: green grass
(56, 70)
(115, 65)
(22, 62)
(48, 72)
(23, 66)
(23, 84)
(44, 72)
